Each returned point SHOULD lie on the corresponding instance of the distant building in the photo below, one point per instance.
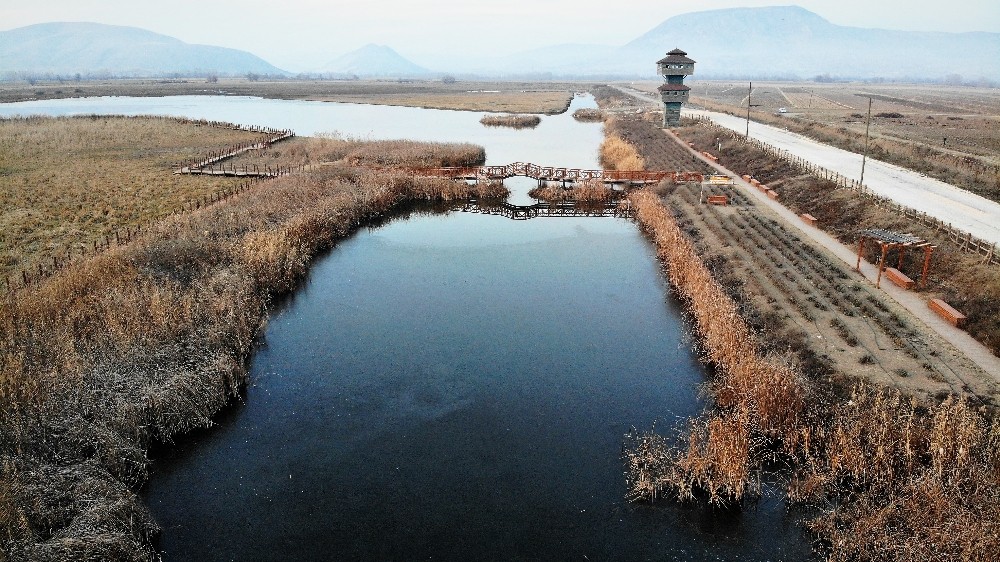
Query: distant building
(674, 67)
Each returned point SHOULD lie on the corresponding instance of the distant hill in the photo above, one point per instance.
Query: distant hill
(374, 60)
(779, 41)
(88, 48)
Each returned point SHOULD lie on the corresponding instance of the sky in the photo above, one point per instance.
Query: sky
(301, 35)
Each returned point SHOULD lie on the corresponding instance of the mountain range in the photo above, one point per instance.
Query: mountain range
(771, 42)
(91, 48)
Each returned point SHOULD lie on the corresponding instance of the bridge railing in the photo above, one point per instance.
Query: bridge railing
(550, 173)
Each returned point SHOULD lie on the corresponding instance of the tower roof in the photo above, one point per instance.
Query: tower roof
(676, 56)
(670, 87)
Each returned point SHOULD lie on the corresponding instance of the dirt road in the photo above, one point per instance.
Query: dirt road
(964, 210)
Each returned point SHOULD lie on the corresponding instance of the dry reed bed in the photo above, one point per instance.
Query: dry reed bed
(61, 180)
(588, 115)
(896, 479)
(616, 153)
(511, 121)
(587, 191)
(151, 339)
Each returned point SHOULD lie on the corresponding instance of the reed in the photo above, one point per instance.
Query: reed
(588, 115)
(909, 480)
(618, 154)
(511, 121)
(150, 339)
(588, 191)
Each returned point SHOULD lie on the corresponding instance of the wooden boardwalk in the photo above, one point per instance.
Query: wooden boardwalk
(207, 167)
(552, 174)
(562, 209)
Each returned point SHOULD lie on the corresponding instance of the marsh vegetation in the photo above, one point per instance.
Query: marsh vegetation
(150, 339)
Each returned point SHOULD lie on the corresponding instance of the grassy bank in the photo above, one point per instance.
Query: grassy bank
(150, 339)
(896, 478)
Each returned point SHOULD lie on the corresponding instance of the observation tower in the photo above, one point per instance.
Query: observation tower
(674, 67)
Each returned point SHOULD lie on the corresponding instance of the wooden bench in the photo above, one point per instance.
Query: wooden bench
(763, 188)
(809, 219)
(899, 278)
(718, 199)
(710, 157)
(772, 193)
(945, 310)
(747, 178)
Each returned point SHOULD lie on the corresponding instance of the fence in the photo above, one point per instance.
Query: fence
(966, 241)
(50, 265)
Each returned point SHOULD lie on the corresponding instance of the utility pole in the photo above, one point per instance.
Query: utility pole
(750, 91)
(868, 124)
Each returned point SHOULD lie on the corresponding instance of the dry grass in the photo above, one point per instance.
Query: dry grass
(150, 339)
(66, 183)
(548, 98)
(618, 154)
(587, 191)
(512, 121)
(588, 115)
(908, 480)
(973, 167)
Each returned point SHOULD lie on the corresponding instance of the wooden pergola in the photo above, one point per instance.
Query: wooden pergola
(890, 240)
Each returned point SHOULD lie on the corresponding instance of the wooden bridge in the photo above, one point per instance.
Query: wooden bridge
(551, 174)
(561, 209)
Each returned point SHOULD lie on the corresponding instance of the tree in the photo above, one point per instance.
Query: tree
(448, 79)
(253, 76)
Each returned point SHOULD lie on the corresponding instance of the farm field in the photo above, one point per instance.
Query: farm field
(803, 300)
(490, 96)
(68, 183)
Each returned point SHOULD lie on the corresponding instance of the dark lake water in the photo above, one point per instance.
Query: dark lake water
(456, 387)
(449, 386)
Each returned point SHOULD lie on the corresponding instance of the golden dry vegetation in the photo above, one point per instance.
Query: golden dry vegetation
(66, 183)
(507, 96)
(895, 477)
(512, 121)
(150, 339)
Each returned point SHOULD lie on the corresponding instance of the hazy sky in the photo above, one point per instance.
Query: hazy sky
(304, 34)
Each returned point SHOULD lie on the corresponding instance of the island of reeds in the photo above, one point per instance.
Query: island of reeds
(512, 121)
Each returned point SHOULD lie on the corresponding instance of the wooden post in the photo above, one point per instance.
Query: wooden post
(861, 249)
(881, 266)
(927, 265)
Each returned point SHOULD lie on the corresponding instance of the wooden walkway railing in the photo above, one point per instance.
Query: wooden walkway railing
(549, 173)
(561, 209)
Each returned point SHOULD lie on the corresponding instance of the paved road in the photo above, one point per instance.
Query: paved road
(962, 209)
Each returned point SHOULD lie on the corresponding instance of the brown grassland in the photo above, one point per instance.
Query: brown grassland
(151, 338)
(66, 183)
(895, 475)
(489, 96)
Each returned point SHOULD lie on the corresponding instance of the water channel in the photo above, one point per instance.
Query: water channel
(451, 386)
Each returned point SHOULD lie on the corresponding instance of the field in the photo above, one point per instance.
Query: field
(950, 133)
(512, 97)
(66, 184)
